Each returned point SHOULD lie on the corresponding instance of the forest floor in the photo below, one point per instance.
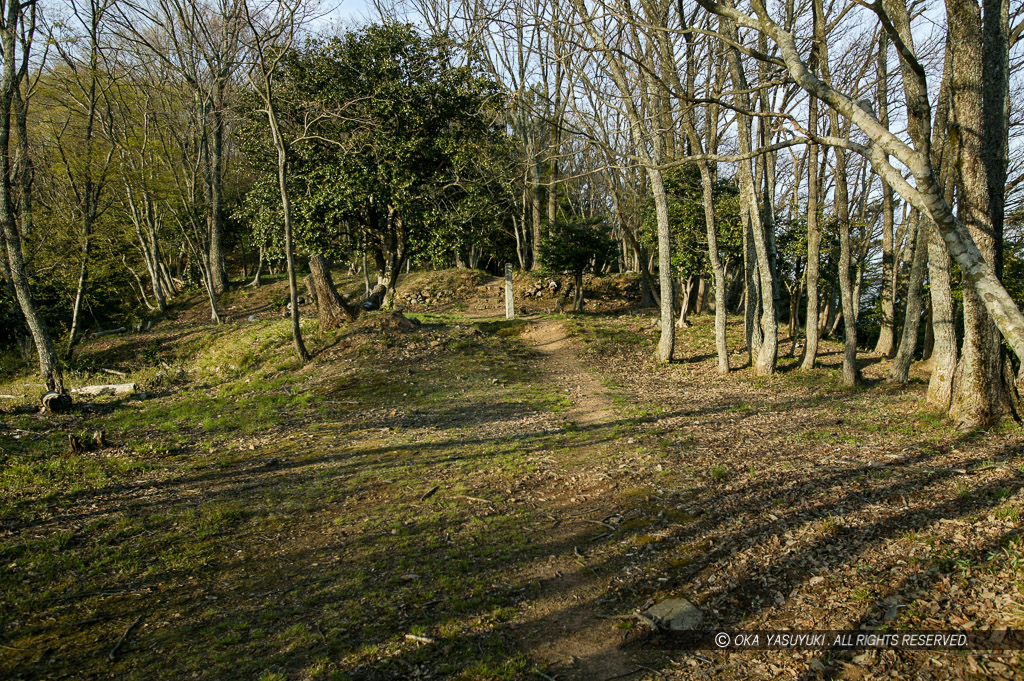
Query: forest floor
(467, 497)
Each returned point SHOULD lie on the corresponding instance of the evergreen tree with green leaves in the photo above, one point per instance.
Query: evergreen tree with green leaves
(577, 247)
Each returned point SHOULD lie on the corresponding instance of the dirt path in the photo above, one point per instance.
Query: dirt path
(590, 402)
(562, 628)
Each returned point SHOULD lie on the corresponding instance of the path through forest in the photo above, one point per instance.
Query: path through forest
(568, 633)
(477, 498)
(590, 402)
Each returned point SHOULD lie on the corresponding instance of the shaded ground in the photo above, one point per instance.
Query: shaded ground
(475, 499)
(560, 365)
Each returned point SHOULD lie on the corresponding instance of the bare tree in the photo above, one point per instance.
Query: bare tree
(886, 336)
(638, 97)
(79, 123)
(925, 193)
(273, 27)
(200, 41)
(18, 24)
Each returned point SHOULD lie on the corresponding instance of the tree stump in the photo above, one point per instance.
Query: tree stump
(55, 402)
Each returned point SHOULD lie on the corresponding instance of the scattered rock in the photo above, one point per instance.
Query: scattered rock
(396, 321)
(675, 614)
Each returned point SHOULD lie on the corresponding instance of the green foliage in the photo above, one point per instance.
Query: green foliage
(391, 146)
(577, 246)
(688, 224)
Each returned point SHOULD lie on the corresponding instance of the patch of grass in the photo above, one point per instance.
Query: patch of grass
(862, 594)
(495, 669)
(506, 328)
(740, 408)
(1008, 512)
(830, 526)
(719, 472)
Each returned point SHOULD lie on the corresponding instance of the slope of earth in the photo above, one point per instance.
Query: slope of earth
(471, 498)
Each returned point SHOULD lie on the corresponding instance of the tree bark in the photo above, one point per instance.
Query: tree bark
(944, 350)
(886, 337)
(900, 371)
(332, 309)
(19, 20)
(767, 357)
(851, 373)
(686, 295)
(289, 244)
(536, 212)
(667, 341)
(810, 354)
(980, 398)
(218, 264)
(643, 136)
(751, 292)
(577, 297)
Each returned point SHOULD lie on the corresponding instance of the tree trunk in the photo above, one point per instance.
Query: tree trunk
(535, 205)
(851, 374)
(17, 23)
(811, 329)
(795, 295)
(255, 283)
(216, 178)
(886, 336)
(289, 245)
(577, 298)
(666, 344)
(768, 355)
(684, 304)
(83, 276)
(332, 310)
(796, 316)
(900, 371)
(721, 320)
(980, 398)
(751, 292)
(944, 351)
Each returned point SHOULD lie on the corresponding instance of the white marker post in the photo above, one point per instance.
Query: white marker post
(510, 310)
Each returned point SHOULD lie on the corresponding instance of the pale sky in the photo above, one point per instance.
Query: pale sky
(347, 12)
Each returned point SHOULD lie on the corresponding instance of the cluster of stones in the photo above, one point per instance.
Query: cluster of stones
(426, 297)
(539, 289)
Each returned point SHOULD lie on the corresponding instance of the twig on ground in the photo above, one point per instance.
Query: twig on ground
(463, 496)
(113, 651)
(622, 676)
(420, 639)
(20, 650)
(599, 522)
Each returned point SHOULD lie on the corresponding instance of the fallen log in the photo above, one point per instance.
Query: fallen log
(97, 334)
(109, 389)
